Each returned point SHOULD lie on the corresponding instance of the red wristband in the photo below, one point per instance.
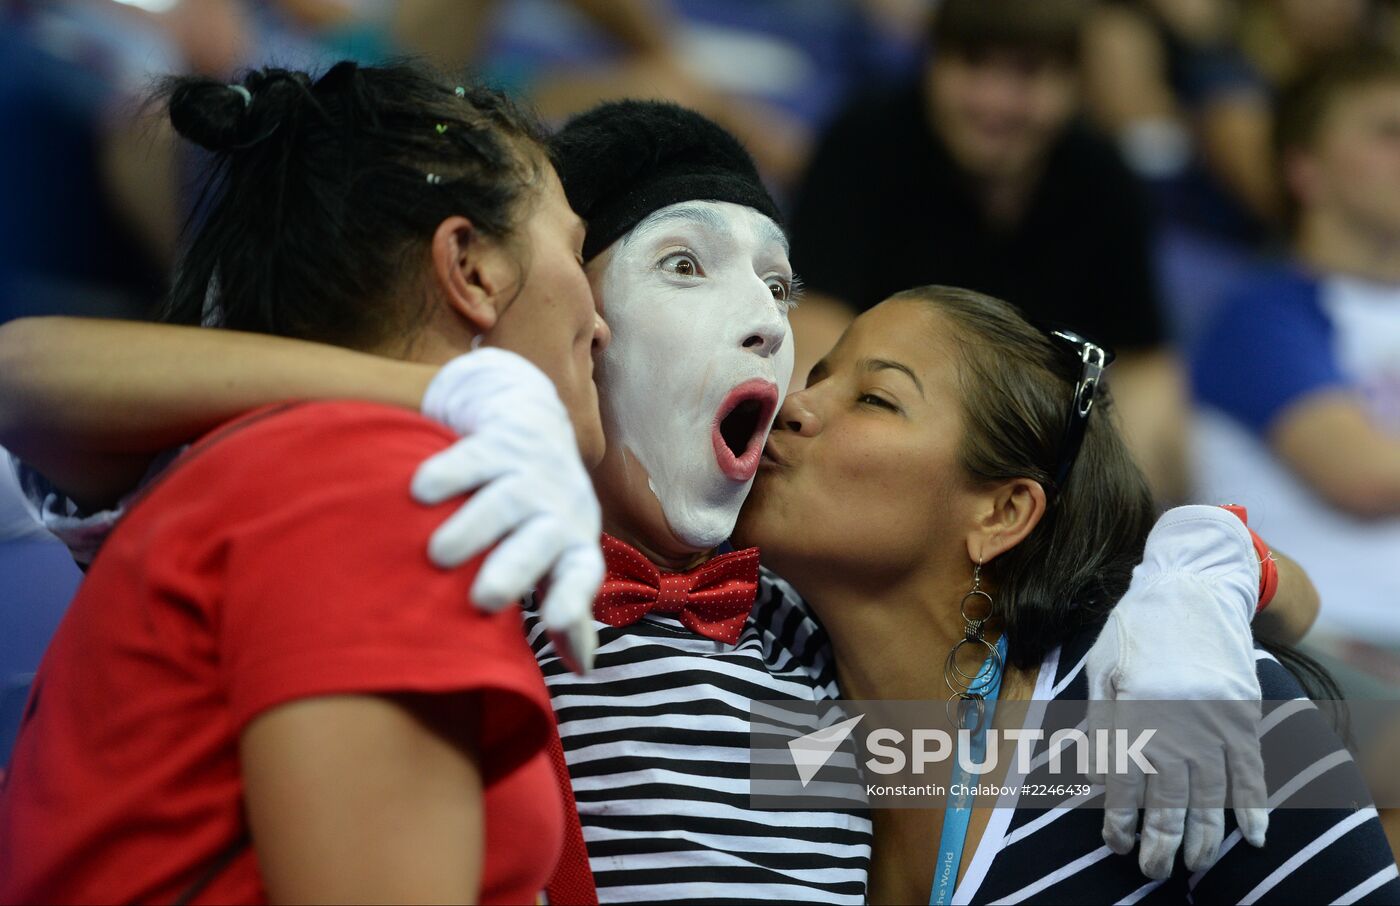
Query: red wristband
(1268, 569)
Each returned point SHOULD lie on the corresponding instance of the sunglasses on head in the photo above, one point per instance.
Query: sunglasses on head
(1093, 359)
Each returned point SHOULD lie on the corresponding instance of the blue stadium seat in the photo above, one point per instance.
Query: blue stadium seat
(37, 580)
(13, 695)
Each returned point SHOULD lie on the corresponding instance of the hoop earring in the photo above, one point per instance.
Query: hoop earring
(969, 690)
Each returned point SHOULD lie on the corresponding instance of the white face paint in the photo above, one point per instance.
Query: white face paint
(697, 297)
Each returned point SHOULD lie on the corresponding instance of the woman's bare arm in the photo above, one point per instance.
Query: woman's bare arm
(90, 402)
(366, 799)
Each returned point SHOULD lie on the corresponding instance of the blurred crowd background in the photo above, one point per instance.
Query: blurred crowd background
(1212, 187)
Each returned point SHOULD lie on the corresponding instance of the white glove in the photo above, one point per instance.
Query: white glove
(519, 448)
(1182, 632)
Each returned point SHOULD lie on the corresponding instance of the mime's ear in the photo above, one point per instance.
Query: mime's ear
(1009, 513)
(473, 272)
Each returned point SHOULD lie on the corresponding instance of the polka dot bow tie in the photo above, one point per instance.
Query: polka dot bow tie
(712, 600)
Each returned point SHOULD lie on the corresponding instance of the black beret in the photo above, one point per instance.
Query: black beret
(623, 160)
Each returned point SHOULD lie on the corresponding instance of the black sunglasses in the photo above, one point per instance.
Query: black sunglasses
(1093, 359)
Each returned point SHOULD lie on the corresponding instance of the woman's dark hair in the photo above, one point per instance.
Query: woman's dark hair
(1069, 572)
(322, 192)
(1016, 387)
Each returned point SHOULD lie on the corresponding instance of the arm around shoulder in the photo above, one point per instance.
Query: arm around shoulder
(89, 402)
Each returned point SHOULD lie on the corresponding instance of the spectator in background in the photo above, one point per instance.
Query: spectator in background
(1190, 111)
(980, 176)
(1284, 39)
(1301, 370)
(569, 55)
(1188, 88)
(71, 76)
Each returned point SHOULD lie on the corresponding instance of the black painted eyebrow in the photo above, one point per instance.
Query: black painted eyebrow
(707, 218)
(682, 213)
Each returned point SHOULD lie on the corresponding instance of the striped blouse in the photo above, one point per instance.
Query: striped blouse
(1057, 855)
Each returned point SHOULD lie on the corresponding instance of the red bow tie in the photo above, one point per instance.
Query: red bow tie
(712, 600)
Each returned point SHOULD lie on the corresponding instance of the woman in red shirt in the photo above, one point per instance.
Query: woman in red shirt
(245, 702)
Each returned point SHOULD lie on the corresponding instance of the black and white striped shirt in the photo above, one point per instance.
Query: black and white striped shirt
(1037, 855)
(657, 742)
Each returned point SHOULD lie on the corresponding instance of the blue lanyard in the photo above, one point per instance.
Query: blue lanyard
(958, 811)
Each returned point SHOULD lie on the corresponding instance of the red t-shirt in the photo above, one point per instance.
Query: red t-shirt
(280, 559)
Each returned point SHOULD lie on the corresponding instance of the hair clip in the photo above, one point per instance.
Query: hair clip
(460, 92)
(441, 128)
(434, 179)
(244, 93)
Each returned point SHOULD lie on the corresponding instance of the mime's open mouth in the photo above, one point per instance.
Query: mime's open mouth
(737, 428)
(741, 424)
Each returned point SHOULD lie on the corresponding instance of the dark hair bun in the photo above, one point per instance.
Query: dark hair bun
(211, 114)
(220, 117)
